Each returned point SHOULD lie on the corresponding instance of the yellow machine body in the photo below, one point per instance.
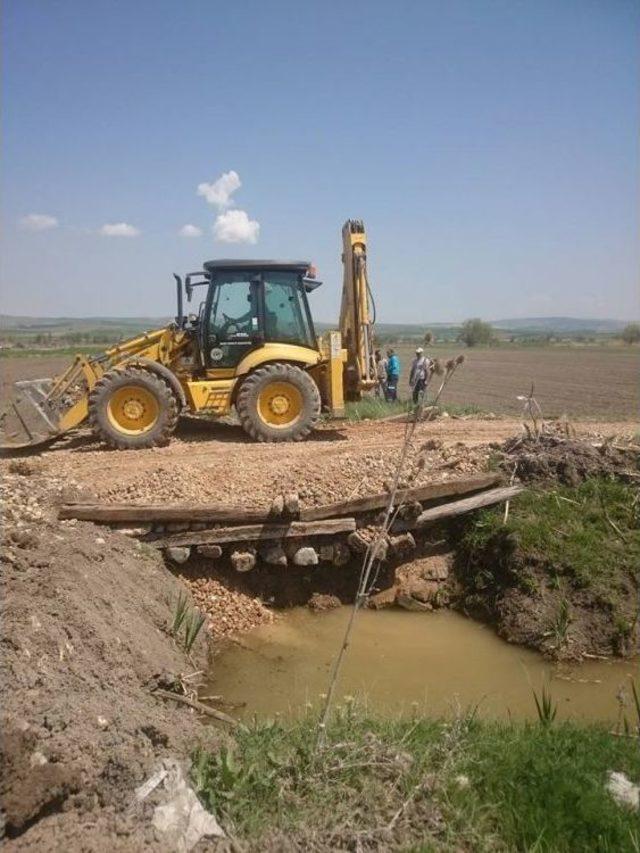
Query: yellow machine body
(340, 366)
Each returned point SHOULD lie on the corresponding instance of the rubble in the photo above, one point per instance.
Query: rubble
(243, 561)
(229, 612)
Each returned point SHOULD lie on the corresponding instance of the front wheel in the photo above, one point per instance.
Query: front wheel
(132, 408)
(278, 402)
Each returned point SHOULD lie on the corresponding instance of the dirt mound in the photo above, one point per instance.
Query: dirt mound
(568, 461)
(84, 637)
(561, 574)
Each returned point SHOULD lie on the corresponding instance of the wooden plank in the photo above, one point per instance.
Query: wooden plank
(432, 491)
(112, 513)
(257, 532)
(455, 508)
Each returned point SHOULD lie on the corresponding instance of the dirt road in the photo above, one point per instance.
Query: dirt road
(208, 462)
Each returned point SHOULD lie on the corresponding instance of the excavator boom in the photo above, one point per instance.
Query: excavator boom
(356, 321)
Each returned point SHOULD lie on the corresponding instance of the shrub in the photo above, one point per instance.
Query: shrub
(476, 331)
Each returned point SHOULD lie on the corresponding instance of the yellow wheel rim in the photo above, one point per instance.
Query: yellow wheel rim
(133, 410)
(280, 404)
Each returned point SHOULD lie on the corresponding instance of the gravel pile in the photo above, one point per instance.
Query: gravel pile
(317, 481)
(229, 612)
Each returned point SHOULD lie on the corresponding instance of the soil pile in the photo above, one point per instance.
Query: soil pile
(84, 638)
(568, 461)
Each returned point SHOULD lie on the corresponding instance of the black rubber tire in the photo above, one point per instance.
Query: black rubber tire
(161, 431)
(247, 403)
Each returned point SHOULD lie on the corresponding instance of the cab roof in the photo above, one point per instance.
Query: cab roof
(227, 264)
(301, 267)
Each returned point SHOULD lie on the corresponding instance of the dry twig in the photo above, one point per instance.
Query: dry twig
(198, 706)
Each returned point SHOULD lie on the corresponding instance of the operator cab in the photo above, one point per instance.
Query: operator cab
(249, 303)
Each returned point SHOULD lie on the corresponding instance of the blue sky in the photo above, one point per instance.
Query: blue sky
(489, 145)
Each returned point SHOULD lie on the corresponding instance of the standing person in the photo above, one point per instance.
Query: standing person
(421, 368)
(381, 374)
(393, 375)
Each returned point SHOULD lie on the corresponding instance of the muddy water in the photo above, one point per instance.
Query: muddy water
(440, 661)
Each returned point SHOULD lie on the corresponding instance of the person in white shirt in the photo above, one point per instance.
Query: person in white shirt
(421, 369)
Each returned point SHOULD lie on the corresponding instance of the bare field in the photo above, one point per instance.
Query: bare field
(586, 382)
(36, 367)
(582, 382)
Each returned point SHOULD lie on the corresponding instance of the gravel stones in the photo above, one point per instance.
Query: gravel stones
(243, 561)
(211, 552)
(178, 553)
(306, 556)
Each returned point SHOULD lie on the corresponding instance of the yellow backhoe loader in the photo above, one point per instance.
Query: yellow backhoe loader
(251, 346)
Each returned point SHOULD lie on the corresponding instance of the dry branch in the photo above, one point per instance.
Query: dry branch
(200, 707)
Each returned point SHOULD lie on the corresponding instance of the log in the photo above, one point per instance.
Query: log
(257, 532)
(455, 508)
(429, 492)
(215, 513)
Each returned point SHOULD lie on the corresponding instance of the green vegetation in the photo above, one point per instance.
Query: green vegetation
(631, 333)
(589, 533)
(192, 626)
(421, 784)
(374, 408)
(191, 618)
(31, 352)
(179, 613)
(475, 332)
(561, 575)
(545, 706)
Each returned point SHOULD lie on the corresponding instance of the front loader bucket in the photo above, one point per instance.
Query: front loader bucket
(27, 420)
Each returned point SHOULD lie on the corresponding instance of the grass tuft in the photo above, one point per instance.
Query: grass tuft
(545, 707)
(192, 626)
(374, 408)
(191, 618)
(179, 613)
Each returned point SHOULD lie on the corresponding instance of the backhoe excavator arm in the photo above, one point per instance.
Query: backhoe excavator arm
(356, 321)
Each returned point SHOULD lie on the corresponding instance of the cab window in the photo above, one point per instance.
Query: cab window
(285, 314)
(233, 314)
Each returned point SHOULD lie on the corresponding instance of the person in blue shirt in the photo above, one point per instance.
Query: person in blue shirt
(393, 375)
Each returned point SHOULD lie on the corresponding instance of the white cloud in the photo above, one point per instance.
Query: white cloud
(190, 231)
(38, 222)
(234, 226)
(220, 191)
(119, 229)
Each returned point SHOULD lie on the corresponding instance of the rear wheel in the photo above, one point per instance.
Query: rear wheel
(278, 402)
(133, 408)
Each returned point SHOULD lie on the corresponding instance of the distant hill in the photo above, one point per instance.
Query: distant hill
(520, 325)
(558, 324)
(53, 324)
